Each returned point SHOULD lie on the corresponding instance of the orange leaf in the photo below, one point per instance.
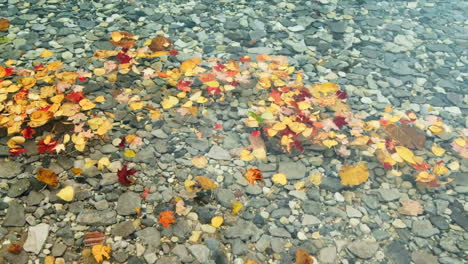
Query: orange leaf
(100, 252)
(4, 24)
(166, 218)
(252, 175)
(354, 175)
(303, 258)
(206, 182)
(47, 176)
(411, 207)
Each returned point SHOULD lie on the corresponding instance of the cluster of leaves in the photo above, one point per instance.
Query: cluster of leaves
(296, 113)
(31, 99)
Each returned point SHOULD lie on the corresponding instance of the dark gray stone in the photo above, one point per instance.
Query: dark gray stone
(15, 215)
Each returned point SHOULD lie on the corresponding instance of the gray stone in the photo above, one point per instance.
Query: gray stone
(253, 189)
(18, 188)
(363, 249)
(263, 243)
(277, 244)
(15, 215)
(310, 220)
(200, 252)
(37, 236)
(225, 197)
(58, 249)
(353, 212)
(260, 50)
(327, 255)
(97, 218)
(279, 232)
(218, 153)
(397, 252)
(9, 169)
(183, 254)
(338, 26)
(123, 229)
(244, 230)
(150, 236)
(127, 203)
(331, 184)
(293, 170)
(424, 228)
(421, 257)
(388, 195)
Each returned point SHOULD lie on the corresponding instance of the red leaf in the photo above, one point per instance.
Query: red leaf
(17, 151)
(276, 95)
(341, 94)
(184, 85)
(122, 143)
(423, 166)
(125, 174)
(123, 58)
(44, 147)
(253, 175)
(166, 218)
(255, 133)
(28, 132)
(218, 126)
(340, 121)
(145, 193)
(387, 165)
(9, 71)
(213, 90)
(245, 59)
(38, 67)
(82, 79)
(75, 96)
(173, 52)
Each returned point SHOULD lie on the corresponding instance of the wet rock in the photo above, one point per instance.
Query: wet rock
(127, 203)
(18, 188)
(37, 236)
(10, 169)
(421, 257)
(397, 252)
(123, 229)
(218, 153)
(200, 252)
(292, 170)
(424, 228)
(363, 249)
(97, 218)
(15, 215)
(150, 236)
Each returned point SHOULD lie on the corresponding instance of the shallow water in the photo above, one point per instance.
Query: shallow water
(398, 63)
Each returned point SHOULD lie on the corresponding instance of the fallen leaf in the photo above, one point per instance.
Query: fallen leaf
(103, 163)
(166, 218)
(406, 154)
(76, 171)
(253, 175)
(437, 150)
(411, 207)
(14, 141)
(128, 153)
(180, 207)
(199, 162)
(408, 136)
(159, 43)
(4, 24)
(206, 183)
(440, 169)
(245, 155)
(46, 53)
(425, 176)
(249, 261)
(66, 194)
(217, 221)
(236, 207)
(354, 175)
(258, 147)
(279, 178)
(125, 175)
(47, 176)
(169, 102)
(316, 178)
(15, 248)
(101, 252)
(303, 258)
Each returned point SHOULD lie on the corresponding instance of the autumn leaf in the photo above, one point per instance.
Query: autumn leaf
(354, 175)
(407, 135)
(206, 183)
(249, 261)
(411, 207)
(125, 175)
(406, 154)
(437, 150)
(101, 252)
(279, 178)
(15, 248)
(4, 24)
(253, 175)
(166, 218)
(47, 176)
(199, 162)
(159, 43)
(66, 194)
(236, 207)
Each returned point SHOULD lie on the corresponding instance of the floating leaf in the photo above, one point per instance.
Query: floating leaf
(206, 183)
(437, 150)
(279, 178)
(217, 221)
(199, 162)
(408, 136)
(166, 218)
(15, 248)
(47, 176)
(354, 175)
(66, 194)
(425, 176)
(103, 163)
(245, 155)
(101, 252)
(411, 207)
(236, 207)
(440, 169)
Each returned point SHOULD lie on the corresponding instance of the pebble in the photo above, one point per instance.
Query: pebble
(37, 236)
(363, 249)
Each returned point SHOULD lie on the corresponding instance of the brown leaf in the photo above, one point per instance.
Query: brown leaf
(303, 258)
(123, 39)
(411, 207)
(408, 136)
(4, 24)
(159, 43)
(15, 248)
(47, 176)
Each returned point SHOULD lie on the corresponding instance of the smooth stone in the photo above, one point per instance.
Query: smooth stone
(397, 252)
(15, 216)
(218, 153)
(150, 236)
(424, 228)
(310, 220)
(96, 218)
(363, 249)
(123, 229)
(37, 236)
(127, 203)
(200, 252)
(421, 257)
(327, 255)
(10, 169)
(293, 170)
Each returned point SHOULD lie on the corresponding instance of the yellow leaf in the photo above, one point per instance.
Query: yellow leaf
(406, 154)
(236, 207)
(136, 105)
(437, 150)
(169, 102)
(101, 252)
(460, 142)
(155, 114)
(217, 221)
(66, 194)
(330, 143)
(316, 178)
(46, 53)
(89, 163)
(99, 71)
(129, 153)
(199, 162)
(354, 175)
(325, 88)
(189, 185)
(279, 178)
(206, 183)
(14, 141)
(245, 155)
(440, 169)
(103, 163)
(100, 99)
(106, 126)
(436, 130)
(86, 104)
(425, 176)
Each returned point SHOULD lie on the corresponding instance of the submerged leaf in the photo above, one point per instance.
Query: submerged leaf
(47, 176)
(206, 182)
(408, 136)
(166, 218)
(354, 175)
(101, 252)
